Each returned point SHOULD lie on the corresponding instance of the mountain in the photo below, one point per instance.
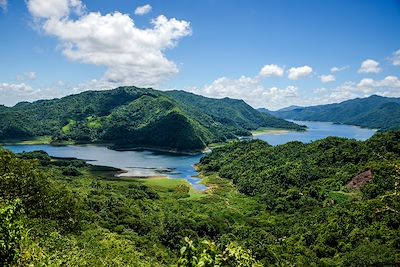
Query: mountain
(372, 112)
(131, 117)
(265, 110)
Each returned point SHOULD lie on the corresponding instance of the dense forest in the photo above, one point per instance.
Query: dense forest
(129, 117)
(333, 202)
(372, 112)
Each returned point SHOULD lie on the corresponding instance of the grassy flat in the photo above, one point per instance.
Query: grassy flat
(41, 140)
(274, 131)
(164, 184)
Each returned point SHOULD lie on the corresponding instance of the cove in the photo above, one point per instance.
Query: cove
(316, 131)
(144, 163)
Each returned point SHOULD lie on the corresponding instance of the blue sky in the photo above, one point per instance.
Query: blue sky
(217, 48)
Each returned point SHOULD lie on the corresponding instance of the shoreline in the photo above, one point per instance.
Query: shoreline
(270, 131)
(45, 140)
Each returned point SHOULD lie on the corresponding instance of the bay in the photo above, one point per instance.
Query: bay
(316, 131)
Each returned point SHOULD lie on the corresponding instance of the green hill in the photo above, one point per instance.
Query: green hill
(333, 202)
(131, 117)
(372, 112)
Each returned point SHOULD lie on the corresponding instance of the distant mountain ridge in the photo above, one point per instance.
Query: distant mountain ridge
(372, 112)
(131, 117)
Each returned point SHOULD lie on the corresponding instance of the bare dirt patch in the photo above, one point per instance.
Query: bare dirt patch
(361, 179)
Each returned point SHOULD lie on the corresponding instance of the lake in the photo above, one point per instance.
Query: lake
(316, 131)
(143, 163)
(151, 163)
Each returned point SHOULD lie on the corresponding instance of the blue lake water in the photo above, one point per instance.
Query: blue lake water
(136, 163)
(151, 163)
(316, 131)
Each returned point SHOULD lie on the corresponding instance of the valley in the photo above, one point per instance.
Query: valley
(199, 133)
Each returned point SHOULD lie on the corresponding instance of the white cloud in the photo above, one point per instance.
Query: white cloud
(300, 72)
(142, 10)
(369, 66)
(54, 9)
(13, 93)
(250, 90)
(271, 70)
(337, 69)
(392, 82)
(3, 4)
(253, 92)
(11, 87)
(27, 76)
(388, 86)
(131, 55)
(327, 78)
(395, 58)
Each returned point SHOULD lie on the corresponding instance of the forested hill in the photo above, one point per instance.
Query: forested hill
(373, 112)
(333, 202)
(130, 117)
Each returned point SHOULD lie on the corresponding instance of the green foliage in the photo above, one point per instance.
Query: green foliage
(40, 195)
(10, 232)
(130, 117)
(71, 171)
(275, 206)
(373, 112)
(182, 191)
(207, 254)
(315, 218)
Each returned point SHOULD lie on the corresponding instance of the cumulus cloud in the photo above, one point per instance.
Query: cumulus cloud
(395, 58)
(327, 78)
(368, 84)
(142, 10)
(369, 66)
(271, 70)
(299, 72)
(11, 87)
(131, 55)
(250, 90)
(54, 9)
(3, 4)
(27, 76)
(12, 93)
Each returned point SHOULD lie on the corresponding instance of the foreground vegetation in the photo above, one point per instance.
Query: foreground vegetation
(310, 216)
(131, 117)
(275, 206)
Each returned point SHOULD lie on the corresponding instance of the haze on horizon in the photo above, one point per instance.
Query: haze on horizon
(269, 53)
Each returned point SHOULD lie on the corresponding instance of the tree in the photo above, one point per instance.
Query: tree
(10, 232)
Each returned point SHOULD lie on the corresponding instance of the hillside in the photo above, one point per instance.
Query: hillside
(373, 112)
(130, 117)
(288, 205)
(333, 202)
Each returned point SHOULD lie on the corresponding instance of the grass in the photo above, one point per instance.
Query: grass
(341, 197)
(40, 140)
(261, 131)
(167, 185)
(67, 128)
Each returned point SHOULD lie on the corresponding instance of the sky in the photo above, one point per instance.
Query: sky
(271, 54)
